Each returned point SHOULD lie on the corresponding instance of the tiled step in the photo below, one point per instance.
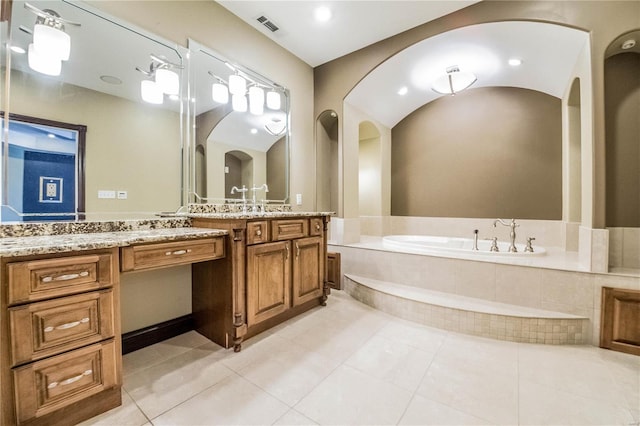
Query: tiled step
(469, 315)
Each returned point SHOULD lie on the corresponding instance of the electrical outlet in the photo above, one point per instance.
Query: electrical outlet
(299, 199)
(106, 193)
(122, 195)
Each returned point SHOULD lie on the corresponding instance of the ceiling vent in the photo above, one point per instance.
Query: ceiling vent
(268, 23)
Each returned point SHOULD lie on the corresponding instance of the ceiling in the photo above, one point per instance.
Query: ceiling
(354, 24)
(549, 52)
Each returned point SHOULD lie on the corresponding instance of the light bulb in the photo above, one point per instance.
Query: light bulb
(273, 100)
(168, 81)
(237, 85)
(220, 93)
(239, 103)
(150, 92)
(256, 100)
(44, 64)
(51, 41)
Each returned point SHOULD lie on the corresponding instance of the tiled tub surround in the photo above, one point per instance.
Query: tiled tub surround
(624, 249)
(555, 287)
(468, 315)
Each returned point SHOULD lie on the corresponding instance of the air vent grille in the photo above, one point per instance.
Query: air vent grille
(268, 23)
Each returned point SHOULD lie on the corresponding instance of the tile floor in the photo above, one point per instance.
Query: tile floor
(348, 364)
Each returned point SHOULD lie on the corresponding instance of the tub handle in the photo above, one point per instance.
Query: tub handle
(529, 247)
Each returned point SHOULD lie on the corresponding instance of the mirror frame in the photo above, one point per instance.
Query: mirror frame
(190, 141)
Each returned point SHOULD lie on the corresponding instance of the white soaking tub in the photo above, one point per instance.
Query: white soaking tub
(432, 245)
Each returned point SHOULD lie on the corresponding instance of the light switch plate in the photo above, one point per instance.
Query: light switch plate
(299, 199)
(122, 195)
(106, 193)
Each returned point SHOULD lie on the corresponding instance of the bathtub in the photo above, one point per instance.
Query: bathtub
(433, 245)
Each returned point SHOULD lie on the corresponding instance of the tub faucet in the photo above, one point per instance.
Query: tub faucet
(475, 240)
(512, 234)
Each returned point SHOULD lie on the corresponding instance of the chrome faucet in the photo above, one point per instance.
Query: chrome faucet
(475, 240)
(264, 186)
(244, 198)
(512, 234)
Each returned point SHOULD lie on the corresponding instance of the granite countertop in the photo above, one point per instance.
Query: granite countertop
(257, 215)
(46, 244)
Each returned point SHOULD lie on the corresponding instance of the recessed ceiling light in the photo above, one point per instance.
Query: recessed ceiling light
(322, 14)
(403, 90)
(628, 44)
(18, 49)
(514, 62)
(110, 79)
(51, 135)
(254, 131)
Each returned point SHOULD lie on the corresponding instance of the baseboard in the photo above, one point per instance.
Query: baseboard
(138, 339)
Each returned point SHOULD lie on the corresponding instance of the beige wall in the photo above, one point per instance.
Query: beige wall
(622, 83)
(604, 19)
(486, 152)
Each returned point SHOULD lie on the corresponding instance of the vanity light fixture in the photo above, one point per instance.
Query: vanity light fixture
(237, 84)
(453, 81)
(273, 100)
(151, 92)
(239, 103)
(220, 93)
(165, 81)
(256, 100)
(51, 44)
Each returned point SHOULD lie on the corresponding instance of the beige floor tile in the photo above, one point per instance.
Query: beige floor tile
(159, 388)
(128, 414)
(391, 361)
(422, 411)
(294, 418)
(233, 401)
(541, 404)
(349, 396)
(425, 338)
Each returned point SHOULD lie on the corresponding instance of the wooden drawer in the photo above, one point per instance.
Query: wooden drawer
(316, 226)
(287, 229)
(53, 383)
(47, 328)
(257, 232)
(47, 278)
(150, 256)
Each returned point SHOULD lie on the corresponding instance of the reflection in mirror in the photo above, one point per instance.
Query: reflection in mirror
(241, 137)
(45, 164)
(133, 147)
(327, 161)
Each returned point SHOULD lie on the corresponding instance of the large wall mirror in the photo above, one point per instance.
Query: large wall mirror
(121, 84)
(241, 137)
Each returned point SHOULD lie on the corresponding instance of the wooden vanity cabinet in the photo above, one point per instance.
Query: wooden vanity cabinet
(60, 332)
(275, 269)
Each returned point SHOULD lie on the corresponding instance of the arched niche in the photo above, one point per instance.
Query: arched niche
(369, 169)
(327, 177)
(238, 172)
(201, 170)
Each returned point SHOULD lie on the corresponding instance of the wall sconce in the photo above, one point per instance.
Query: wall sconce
(165, 80)
(51, 44)
(453, 82)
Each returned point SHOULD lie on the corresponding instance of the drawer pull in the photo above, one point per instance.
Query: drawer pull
(67, 325)
(317, 226)
(69, 380)
(65, 277)
(287, 247)
(258, 232)
(177, 252)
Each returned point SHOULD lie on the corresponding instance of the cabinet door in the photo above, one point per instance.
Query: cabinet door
(308, 269)
(268, 280)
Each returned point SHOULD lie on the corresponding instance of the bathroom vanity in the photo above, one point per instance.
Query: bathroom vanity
(60, 334)
(275, 268)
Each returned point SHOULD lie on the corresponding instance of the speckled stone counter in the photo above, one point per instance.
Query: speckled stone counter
(251, 215)
(45, 244)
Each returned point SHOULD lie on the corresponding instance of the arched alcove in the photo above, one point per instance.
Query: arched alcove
(238, 172)
(201, 171)
(369, 170)
(327, 181)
